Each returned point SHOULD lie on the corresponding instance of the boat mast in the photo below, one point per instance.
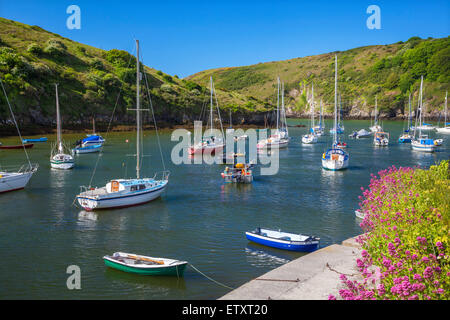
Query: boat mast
(283, 114)
(335, 99)
(210, 111)
(409, 114)
(278, 102)
(421, 107)
(138, 115)
(58, 123)
(312, 107)
(93, 125)
(376, 104)
(321, 114)
(445, 114)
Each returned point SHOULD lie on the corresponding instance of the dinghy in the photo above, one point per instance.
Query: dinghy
(144, 265)
(238, 173)
(20, 146)
(381, 139)
(283, 240)
(43, 139)
(79, 149)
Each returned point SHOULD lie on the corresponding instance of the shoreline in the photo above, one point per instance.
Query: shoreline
(34, 130)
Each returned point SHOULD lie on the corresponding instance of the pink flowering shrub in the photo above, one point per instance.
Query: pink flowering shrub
(405, 248)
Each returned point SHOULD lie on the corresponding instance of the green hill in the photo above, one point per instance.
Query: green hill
(388, 71)
(32, 60)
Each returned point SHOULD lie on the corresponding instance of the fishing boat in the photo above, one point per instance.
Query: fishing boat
(19, 146)
(12, 179)
(43, 139)
(376, 127)
(280, 138)
(381, 139)
(423, 143)
(446, 128)
(143, 265)
(209, 144)
(335, 158)
(59, 159)
(120, 193)
(283, 240)
(311, 137)
(238, 173)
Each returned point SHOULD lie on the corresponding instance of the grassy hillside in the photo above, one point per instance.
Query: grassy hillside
(388, 71)
(32, 60)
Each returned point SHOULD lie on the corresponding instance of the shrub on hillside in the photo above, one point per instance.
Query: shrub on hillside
(120, 58)
(34, 49)
(55, 48)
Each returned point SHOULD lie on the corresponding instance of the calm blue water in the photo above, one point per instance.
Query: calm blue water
(198, 218)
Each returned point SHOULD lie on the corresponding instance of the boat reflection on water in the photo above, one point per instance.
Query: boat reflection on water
(87, 216)
(261, 256)
(164, 285)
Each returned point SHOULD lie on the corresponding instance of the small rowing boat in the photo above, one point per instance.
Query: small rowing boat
(144, 265)
(283, 240)
(43, 139)
(20, 146)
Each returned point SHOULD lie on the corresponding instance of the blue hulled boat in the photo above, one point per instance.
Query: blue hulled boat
(283, 240)
(43, 139)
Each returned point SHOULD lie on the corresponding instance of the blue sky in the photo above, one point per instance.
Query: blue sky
(185, 37)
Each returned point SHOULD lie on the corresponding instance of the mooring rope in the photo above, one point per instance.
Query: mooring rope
(220, 284)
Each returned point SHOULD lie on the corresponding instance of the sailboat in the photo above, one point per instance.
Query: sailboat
(59, 159)
(13, 178)
(311, 137)
(335, 158)
(446, 127)
(406, 136)
(280, 138)
(211, 144)
(422, 143)
(376, 127)
(119, 193)
(320, 129)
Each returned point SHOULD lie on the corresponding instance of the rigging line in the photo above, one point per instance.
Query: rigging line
(109, 126)
(154, 119)
(220, 284)
(15, 122)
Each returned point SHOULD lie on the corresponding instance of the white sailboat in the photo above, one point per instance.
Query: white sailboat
(406, 136)
(311, 137)
(335, 158)
(280, 138)
(119, 193)
(423, 143)
(320, 129)
(212, 144)
(376, 127)
(59, 159)
(446, 128)
(13, 178)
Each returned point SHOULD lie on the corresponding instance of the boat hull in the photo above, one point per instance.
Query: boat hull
(26, 146)
(88, 149)
(423, 148)
(334, 165)
(119, 201)
(15, 181)
(176, 270)
(34, 140)
(206, 150)
(445, 130)
(282, 244)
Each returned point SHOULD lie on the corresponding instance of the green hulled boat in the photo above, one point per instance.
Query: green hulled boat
(144, 265)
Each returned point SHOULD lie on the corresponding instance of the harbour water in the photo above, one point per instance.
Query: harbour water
(198, 219)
